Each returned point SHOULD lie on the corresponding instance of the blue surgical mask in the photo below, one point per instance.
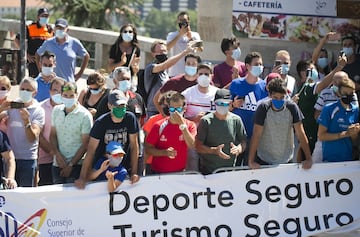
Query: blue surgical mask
(44, 21)
(190, 70)
(60, 34)
(124, 85)
(285, 69)
(257, 70)
(322, 62)
(25, 96)
(127, 37)
(348, 51)
(68, 102)
(236, 54)
(278, 104)
(56, 98)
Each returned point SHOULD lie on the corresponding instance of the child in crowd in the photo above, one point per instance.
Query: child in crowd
(109, 167)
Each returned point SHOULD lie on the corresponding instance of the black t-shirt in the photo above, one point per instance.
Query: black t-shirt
(4, 146)
(105, 130)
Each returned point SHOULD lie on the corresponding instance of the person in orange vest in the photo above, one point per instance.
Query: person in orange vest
(36, 33)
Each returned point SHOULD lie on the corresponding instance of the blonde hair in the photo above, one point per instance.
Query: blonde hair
(5, 81)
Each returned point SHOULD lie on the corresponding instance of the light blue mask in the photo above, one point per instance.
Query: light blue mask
(191, 71)
(60, 34)
(348, 51)
(285, 69)
(236, 54)
(313, 75)
(322, 62)
(68, 102)
(95, 92)
(127, 37)
(257, 70)
(57, 99)
(44, 21)
(124, 85)
(25, 96)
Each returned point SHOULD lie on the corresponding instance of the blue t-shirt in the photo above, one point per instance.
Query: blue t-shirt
(252, 93)
(121, 175)
(65, 55)
(43, 91)
(336, 119)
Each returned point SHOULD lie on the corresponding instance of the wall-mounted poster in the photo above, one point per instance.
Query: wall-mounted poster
(305, 22)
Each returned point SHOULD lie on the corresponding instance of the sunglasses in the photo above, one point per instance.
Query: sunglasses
(68, 88)
(225, 104)
(179, 109)
(128, 31)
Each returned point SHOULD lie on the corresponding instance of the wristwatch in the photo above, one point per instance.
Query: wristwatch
(28, 125)
(71, 164)
(182, 126)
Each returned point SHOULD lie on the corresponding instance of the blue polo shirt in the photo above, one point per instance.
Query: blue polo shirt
(337, 119)
(43, 91)
(65, 55)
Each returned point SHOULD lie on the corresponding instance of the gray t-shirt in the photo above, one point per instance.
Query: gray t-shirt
(213, 132)
(149, 76)
(276, 145)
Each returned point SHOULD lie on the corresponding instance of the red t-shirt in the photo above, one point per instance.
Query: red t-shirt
(164, 135)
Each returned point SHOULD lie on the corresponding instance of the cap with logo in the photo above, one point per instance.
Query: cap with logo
(43, 10)
(61, 22)
(117, 97)
(222, 94)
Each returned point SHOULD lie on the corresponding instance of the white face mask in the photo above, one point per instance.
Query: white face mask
(223, 110)
(44, 21)
(3, 94)
(115, 162)
(25, 96)
(127, 37)
(203, 81)
(46, 71)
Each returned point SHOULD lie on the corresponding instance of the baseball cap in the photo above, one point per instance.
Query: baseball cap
(114, 148)
(223, 94)
(61, 22)
(117, 97)
(271, 76)
(43, 10)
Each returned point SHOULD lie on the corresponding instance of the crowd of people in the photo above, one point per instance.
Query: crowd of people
(180, 114)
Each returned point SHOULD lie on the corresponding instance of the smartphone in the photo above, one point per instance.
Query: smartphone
(17, 105)
(183, 23)
(277, 63)
(198, 44)
(308, 73)
(342, 53)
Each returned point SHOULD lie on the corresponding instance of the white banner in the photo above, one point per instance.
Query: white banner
(288, 7)
(280, 201)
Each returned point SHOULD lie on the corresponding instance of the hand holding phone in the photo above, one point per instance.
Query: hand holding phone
(277, 63)
(17, 105)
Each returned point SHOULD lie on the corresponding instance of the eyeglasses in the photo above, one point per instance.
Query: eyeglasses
(128, 31)
(225, 104)
(3, 88)
(179, 109)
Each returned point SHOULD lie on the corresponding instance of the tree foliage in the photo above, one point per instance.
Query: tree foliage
(91, 13)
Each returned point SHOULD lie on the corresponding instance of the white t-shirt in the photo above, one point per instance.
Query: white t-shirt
(180, 46)
(197, 102)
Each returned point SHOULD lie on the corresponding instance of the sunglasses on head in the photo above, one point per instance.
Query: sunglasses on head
(220, 103)
(68, 88)
(179, 109)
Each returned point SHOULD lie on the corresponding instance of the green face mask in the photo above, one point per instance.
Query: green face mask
(119, 112)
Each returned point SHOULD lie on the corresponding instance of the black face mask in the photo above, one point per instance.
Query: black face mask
(347, 99)
(160, 58)
(166, 111)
